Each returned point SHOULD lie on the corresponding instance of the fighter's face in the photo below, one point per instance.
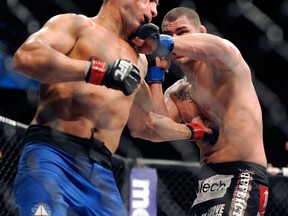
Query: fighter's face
(138, 12)
(147, 9)
(180, 26)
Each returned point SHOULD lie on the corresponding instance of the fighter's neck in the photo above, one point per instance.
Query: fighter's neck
(112, 23)
(191, 70)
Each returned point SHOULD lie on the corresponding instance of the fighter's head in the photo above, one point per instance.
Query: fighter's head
(181, 20)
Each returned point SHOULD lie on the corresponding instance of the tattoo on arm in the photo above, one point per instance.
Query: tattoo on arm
(184, 95)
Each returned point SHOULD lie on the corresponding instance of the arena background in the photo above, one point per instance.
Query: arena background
(258, 28)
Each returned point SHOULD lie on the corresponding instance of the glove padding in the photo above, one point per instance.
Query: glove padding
(198, 134)
(154, 73)
(166, 44)
(163, 43)
(120, 75)
(148, 30)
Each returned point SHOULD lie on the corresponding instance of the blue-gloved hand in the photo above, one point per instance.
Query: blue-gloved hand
(166, 44)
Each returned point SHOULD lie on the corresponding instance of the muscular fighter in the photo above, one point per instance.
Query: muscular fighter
(89, 69)
(217, 91)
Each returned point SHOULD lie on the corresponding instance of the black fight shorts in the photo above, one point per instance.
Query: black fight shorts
(233, 188)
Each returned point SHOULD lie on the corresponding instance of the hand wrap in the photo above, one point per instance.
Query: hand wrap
(198, 134)
(120, 75)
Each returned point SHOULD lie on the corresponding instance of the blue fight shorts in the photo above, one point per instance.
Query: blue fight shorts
(60, 174)
(233, 188)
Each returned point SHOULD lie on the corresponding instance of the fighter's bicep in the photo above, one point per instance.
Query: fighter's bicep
(61, 32)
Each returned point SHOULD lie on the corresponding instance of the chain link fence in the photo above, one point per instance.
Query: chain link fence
(175, 178)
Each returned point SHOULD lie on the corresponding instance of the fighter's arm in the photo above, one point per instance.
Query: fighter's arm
(154, 77)
(161, 103)
(208, 48)
(144, 123)
(149, 98)
(43, 55)
(159, 128)
(205, 47)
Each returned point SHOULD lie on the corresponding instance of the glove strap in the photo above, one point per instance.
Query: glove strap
(197, 132)
(96, 71)
(155, 74)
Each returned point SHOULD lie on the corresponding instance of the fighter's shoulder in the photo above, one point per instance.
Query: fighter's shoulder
(67, 19)
(176, 86)
(179, 83)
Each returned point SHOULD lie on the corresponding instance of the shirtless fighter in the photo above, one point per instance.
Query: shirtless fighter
(217, 91)
(89, 72)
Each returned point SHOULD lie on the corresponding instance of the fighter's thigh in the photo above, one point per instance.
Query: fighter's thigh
(38, 183)
(33, 194)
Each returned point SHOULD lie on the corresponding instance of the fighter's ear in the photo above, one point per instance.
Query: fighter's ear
(202, 29)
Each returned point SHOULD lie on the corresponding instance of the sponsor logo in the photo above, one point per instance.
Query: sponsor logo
(140, 197)
(41, 209)
(212, 188)
(143, 185)
(241, 194)
(264, 192)
(140, 193)
(123, 69)
(217, 210)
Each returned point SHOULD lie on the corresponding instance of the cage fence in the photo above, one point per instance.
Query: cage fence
(174, 185)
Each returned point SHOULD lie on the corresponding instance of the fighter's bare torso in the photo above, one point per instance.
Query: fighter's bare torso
(230, 106)
(78, 107)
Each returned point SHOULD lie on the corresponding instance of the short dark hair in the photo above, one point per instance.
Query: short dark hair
(177, 12)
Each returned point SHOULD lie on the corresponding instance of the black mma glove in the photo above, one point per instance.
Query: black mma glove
(163, 43)
(148, 30)
(198, 134)
(120, 75)
(154, 73)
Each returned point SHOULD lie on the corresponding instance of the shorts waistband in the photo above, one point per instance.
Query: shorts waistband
(76, 146)
(234, 167)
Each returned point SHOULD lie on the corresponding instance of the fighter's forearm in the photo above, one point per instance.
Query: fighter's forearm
(160, 128)
(158, 103)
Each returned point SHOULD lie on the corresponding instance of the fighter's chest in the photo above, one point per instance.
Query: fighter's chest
(105, 47)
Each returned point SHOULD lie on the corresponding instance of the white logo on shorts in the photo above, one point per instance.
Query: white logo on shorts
(212, 188)
(241, 194)
(41, 210)
(217, 210)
